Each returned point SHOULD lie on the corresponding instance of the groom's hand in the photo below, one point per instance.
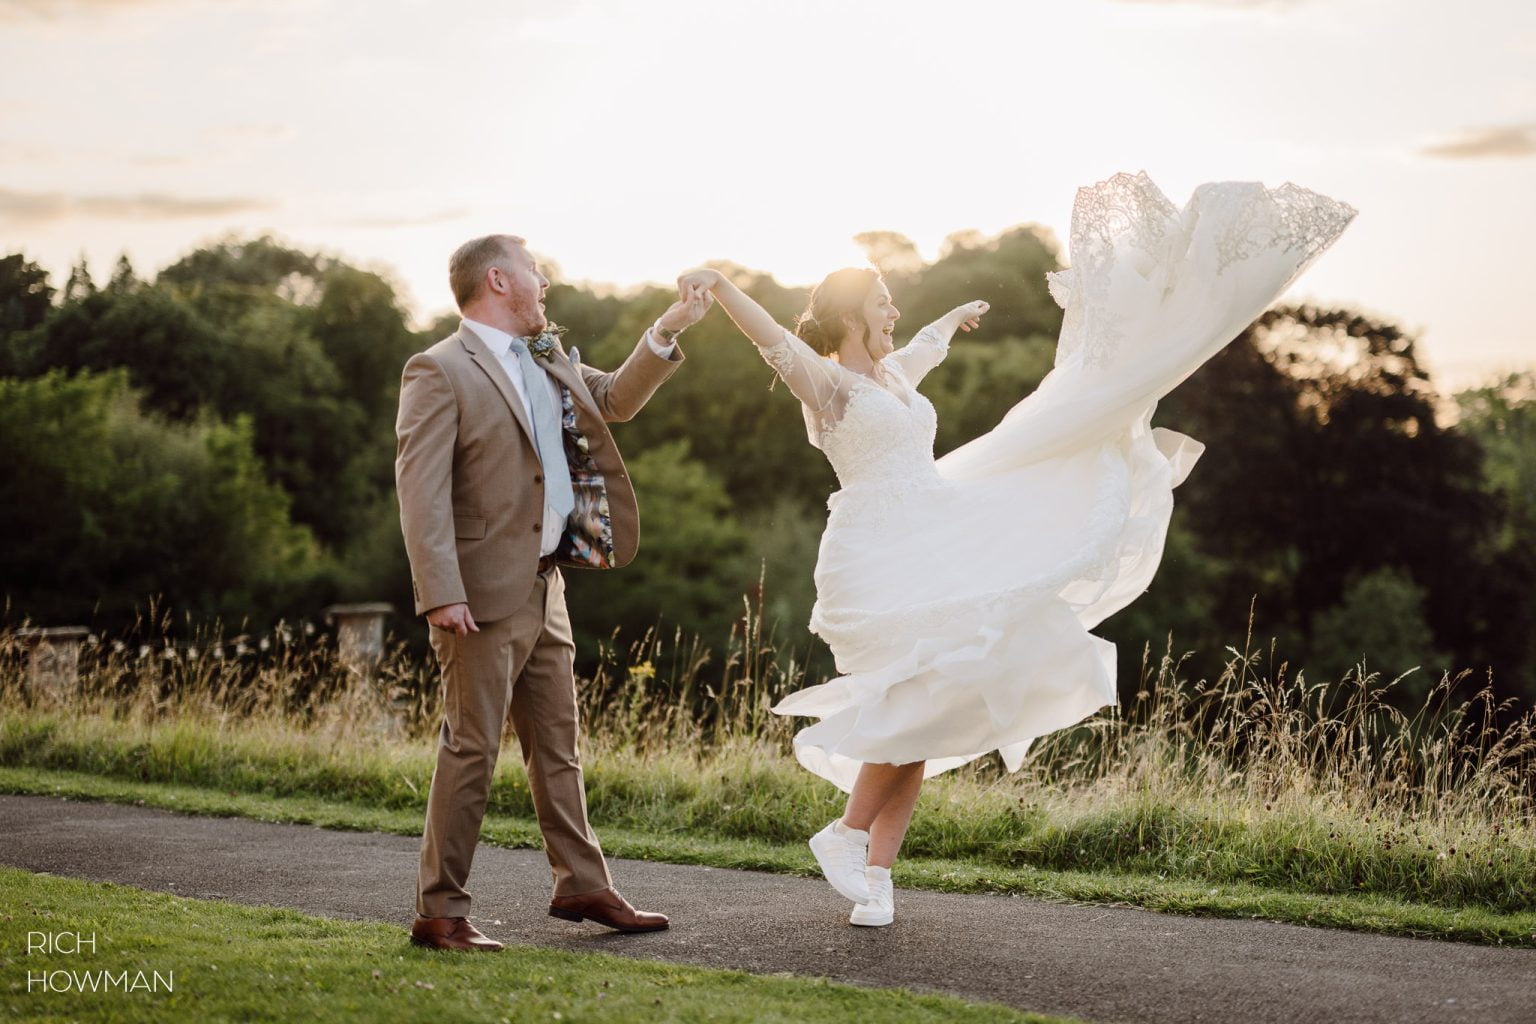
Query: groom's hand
(455, 618)
(692, 303)
(704, 278)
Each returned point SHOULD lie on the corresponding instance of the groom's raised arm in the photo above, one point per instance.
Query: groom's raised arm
(426, 429)
(623, 392)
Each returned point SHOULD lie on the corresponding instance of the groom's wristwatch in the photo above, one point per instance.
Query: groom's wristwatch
(667, 334)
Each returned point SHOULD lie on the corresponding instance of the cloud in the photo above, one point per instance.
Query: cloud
(405, 220)
(1511, 140)
(58, 10)
(43, 207)
(1230, 5)
(256, 131)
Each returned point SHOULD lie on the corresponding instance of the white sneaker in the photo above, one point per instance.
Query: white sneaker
(841, 852)
(881, 908)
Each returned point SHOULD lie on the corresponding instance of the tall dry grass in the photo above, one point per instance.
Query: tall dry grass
(1255, 775)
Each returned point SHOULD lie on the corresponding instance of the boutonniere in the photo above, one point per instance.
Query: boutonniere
(547, 342)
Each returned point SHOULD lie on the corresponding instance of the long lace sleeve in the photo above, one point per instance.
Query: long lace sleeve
(817, 382)
(926, 350)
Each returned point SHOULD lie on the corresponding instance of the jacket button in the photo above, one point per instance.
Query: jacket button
(538, 479)
(538, 527)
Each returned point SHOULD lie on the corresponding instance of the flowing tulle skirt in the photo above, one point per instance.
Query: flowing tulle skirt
(959, 608)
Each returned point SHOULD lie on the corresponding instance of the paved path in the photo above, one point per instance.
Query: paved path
(1103, 964)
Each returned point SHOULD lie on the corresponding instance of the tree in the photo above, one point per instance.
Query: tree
(260, 264)
(1327, 462)
(25, 295)
(893, 254)
(118, 507)
(1008, 271)
(123, 277)
(1502, 417)
(1379, 621)
(692, 571)
(79, 284)
(316, 378)
(181, 361)
(361, 328)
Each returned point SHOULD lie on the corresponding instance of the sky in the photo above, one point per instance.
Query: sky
(628, 141)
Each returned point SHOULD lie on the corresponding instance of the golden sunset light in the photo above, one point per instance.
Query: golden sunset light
(835, 511)
(628, 141)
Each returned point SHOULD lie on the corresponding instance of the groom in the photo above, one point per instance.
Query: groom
(506, 470)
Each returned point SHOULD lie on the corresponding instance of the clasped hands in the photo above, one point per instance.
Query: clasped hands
(693, 301)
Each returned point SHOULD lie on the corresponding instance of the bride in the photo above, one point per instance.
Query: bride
(957, 594)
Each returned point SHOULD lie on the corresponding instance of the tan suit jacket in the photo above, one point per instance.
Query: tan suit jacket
(470, 482)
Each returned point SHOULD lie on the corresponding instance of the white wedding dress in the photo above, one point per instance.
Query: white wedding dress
(957, 595)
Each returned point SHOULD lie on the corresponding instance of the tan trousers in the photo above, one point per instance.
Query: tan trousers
(520, 666)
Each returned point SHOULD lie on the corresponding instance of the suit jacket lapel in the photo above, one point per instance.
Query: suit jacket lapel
(560, 368)
(487, 361)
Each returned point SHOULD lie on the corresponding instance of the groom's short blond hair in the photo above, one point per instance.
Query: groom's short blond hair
(470, 261)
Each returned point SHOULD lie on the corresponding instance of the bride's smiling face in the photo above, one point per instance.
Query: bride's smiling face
(880, 315)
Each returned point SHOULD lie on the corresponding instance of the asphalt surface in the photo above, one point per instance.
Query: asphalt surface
(1102, 964)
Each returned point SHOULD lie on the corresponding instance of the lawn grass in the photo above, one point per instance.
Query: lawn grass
(1367, 913)
(225, 962)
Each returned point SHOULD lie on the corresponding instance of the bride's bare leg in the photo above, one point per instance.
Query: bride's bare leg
(881, 803)
(890, 827)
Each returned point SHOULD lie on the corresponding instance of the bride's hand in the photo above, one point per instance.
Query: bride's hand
(704, 280)
(971, 314)
(693, 302)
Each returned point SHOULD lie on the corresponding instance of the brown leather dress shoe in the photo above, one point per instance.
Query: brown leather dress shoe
(450, 933)
(607, 908)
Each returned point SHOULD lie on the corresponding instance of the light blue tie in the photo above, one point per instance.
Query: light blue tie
(547, 435)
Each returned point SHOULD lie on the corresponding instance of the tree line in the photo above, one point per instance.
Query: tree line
(220, 439)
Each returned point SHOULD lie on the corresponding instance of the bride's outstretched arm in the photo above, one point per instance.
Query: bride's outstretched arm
(812, 379)
(752, 319)
(930, 345)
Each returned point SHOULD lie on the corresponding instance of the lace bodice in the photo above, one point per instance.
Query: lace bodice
(869, 430)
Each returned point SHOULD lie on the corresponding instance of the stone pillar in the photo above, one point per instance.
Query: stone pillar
(360, 647)
(360, 634)
(53, 660)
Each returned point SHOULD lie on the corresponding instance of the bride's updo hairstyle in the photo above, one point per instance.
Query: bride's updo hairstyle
(837, 300)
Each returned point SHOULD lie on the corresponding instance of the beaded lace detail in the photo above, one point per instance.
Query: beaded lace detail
(958, 595)
(1126, 236)
(871, 432)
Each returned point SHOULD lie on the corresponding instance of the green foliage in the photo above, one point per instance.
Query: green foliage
(1379, 622)
(1328, 457)
(980, 381)
(1338, 466)
(1502, 417)
(784, 537)
(694, 567)
(1008, 271)
(259, 266)
(26, 297)
(180, 361)
(115, 504)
